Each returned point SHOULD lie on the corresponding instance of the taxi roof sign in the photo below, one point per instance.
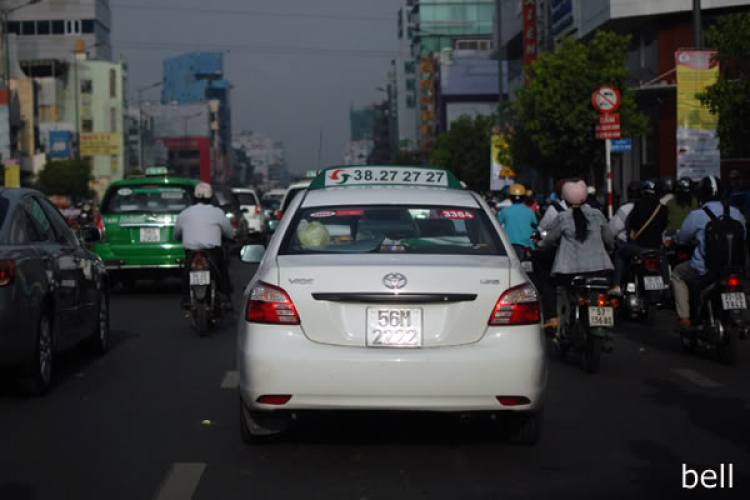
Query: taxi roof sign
(153, 171)
(385, 175)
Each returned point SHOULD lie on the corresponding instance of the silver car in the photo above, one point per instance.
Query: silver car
(53, 292)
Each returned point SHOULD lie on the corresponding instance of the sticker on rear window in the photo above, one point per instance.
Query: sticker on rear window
(171, 195)
(124, 192)
(457, 214)
(320, 215)
(350, 213)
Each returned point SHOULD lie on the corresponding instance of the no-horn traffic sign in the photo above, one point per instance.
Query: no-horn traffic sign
(606, 99)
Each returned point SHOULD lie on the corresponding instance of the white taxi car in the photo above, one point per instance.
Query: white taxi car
(389, 288)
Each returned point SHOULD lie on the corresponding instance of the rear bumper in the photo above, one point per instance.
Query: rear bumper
(277, 360)
(172, 257)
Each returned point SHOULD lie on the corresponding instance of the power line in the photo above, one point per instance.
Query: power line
(255, 13)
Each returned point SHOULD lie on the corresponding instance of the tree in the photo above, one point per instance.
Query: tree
(556, 117)
(70, 178)
(729, 97)
(465, 150)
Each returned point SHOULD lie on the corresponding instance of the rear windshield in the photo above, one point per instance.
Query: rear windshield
(247, 199)
(4, 209)
(271, 203)
(392, 229)
(150, 199)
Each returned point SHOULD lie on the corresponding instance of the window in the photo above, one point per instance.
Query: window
(42, 27)
(113, 120)
(87, 86)
(411, 84)
(28, 28)
(58, 221)
(87, 26)
(14, 27)
(18, 234)
(43, 231)
(112, 83)
(87, 125)
(149, 199)
(58, 27)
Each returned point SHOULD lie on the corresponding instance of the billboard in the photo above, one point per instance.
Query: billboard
(530, 46)
(501, 174)
(100, 144)
(697, 139)
(59, 144)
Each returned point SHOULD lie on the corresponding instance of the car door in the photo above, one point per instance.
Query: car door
(62, 270)
(88, 291)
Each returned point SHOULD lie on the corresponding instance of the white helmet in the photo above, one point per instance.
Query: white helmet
(203, 191)
(591, 190)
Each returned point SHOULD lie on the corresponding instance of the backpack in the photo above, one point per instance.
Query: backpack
(724, 242)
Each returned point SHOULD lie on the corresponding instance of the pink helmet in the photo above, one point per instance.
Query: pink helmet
(574, 193)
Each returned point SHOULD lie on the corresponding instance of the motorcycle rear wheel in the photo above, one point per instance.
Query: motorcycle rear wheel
(592, 354)
(726, 348)
(201, 319)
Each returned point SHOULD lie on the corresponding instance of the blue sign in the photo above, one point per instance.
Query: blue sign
(621, 145)
(59, 144)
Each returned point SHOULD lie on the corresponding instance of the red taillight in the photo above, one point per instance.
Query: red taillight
(651, 265)
(734, 282)
(100, 225)
(270, 304)
(280, 214)
(257, 209)
(601, 300)
(513, 400)
(235, 222)
(7, 272)
(517, 306)
(199, 263)
(274, 399)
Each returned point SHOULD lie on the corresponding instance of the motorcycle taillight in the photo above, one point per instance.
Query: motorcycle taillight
(199, 263)
(734, 282)
(651, 264)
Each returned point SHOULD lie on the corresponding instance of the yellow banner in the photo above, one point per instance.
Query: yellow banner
(12, 175)
(100, 144)
(694, 74)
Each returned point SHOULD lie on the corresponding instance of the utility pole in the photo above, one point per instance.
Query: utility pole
(141, 159)
(697, 25)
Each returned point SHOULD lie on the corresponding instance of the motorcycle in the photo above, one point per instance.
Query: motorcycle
(721, 315)
(587, 319)
(205, 304)
(645, 291)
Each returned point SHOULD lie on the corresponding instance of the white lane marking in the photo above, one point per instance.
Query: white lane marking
(696, 378)
(181, 482)
(231, 380)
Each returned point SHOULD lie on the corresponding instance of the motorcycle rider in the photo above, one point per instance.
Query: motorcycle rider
(518, 220)
(583, 233)
(617, 224)
(644, 226)
(666, 188)
(556, 207)
(201, 227)
(592, 201)
(682, 204)
(693, 230)
(531, 203)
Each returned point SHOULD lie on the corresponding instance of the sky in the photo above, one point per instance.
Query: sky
(296, 65)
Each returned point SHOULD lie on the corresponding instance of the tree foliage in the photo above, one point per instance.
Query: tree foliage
(465, 150)
(556, 118)
(730, 96)
(70, 178)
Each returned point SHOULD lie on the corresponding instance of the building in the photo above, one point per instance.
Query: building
(405, 93)
(265, 159)
(44, 34)
(658, 30)
(199, 77)
(357, 152)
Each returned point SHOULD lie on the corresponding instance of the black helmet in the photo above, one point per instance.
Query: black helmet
(666, 185)
(649, 187)
(634, 190)
(709, 189)
(685, 185)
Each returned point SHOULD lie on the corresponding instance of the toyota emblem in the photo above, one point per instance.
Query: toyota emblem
(394, 281)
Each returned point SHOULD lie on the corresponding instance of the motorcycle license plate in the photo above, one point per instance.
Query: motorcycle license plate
(200, 277)
(601, 316)
(394, 327)
(527, 266)
(653, 283)
(150, 235)
(733, 301)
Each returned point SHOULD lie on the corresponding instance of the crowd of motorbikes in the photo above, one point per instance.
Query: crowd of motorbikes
(588, 311)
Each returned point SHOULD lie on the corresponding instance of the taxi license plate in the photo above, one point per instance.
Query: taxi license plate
(387, 327)
(200, 277)
(653, 283)
(733, 301)
(601, 316)
(150, 235)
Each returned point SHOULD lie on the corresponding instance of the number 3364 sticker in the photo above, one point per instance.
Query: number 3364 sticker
(457, 214)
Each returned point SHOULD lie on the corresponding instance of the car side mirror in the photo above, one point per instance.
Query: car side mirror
(252, 254)
(91, 234)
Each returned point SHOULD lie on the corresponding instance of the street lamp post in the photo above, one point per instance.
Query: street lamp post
(141, 160)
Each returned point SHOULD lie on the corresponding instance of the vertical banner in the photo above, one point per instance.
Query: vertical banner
(697, 139)
(501, 174)
(12, 174)
(530, 37)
